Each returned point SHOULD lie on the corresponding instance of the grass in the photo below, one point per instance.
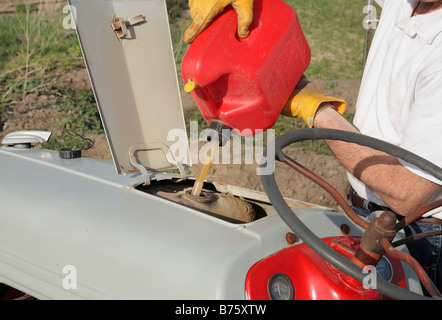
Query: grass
(335, 32)
(80, 110)
(178, 24)
(66, 140)
(34, 45)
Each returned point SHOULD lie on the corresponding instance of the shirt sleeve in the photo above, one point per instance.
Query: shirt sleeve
(380, 3)
(423, 133)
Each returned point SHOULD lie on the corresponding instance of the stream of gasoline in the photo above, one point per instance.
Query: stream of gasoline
(202, 173)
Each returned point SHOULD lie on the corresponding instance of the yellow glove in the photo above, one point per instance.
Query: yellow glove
(305, 101)
(203, 12)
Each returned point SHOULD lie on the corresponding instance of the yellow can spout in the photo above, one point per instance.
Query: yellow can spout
(190, 86)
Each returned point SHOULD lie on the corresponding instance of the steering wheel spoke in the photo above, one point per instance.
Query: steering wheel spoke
(329, 188)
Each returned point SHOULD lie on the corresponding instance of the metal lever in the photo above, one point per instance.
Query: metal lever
(119, 25)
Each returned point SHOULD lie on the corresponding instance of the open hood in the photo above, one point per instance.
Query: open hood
(129, 57)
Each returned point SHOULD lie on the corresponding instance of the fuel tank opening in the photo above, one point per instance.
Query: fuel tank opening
(210, 201)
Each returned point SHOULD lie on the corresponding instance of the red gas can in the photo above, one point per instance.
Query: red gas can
(244, 83)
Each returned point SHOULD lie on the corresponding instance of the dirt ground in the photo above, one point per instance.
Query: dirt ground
(27, 114)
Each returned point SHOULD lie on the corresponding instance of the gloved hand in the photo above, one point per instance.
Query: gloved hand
(306, 100)
(203, 12)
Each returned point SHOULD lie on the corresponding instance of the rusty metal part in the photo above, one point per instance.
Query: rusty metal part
(370, 251)
(416, 237)
(119, 25)
(417, 268)
(343, 247)
(345, 229)
(327, 187)
(417, 214)
(291, 238)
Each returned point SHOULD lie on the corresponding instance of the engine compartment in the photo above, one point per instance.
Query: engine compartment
(230, 203)
(212, 202)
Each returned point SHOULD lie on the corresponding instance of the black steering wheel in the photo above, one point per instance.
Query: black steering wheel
(309, 238)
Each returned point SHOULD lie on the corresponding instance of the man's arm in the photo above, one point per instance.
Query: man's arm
(403, 191)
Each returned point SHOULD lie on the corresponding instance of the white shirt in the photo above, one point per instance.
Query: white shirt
(400, 100)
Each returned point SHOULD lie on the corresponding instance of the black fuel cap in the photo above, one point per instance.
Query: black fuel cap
(73, 153)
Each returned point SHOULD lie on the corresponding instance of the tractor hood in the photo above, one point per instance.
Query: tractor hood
(129, 57)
